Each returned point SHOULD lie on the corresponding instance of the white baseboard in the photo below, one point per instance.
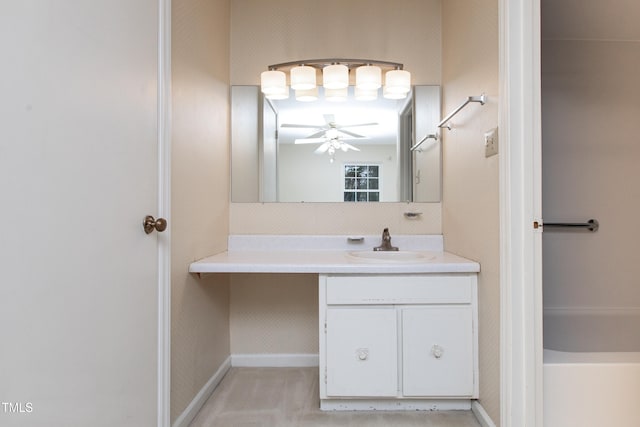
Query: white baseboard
(483, 418)
(190, 412)
(266, 360)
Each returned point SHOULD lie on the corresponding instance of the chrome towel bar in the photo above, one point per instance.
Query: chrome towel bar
(430, 136)
(591, 225)
(481, 99)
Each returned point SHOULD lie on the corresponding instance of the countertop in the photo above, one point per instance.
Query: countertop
(330, 254)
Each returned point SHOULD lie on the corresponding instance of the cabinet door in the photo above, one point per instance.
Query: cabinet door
(362, 352)
(437, 351)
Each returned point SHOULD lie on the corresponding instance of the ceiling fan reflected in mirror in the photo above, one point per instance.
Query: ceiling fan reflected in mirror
(332, 135)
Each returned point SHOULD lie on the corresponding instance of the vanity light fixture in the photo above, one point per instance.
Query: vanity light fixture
(398, 82)
(336, 95)
(273, 82)
(368, 78)
(303, 77)
(335, 76)
(365, 95)
(307, 95)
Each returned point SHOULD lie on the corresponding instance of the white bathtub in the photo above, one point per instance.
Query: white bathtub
(591, 368)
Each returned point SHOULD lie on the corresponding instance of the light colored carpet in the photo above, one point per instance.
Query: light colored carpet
(288, 397)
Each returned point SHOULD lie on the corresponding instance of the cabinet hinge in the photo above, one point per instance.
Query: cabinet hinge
(325, 374)
(325, 327)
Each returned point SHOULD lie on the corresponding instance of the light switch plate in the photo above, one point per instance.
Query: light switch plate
(491, 142)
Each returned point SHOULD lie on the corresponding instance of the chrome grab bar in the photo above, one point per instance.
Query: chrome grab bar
(591, 225)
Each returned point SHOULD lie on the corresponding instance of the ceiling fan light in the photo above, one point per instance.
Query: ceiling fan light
(336, 95)
(393, 95)
(368, 77)
(273, 81)
(303, 77)
(398, 81)
(366, 95)
(335, 76)
(331, 133)
(307, 95)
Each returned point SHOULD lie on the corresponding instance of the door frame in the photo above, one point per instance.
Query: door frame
(164, 211)
(521, 354)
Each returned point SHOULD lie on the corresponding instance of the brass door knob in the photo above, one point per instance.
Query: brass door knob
(150, 223)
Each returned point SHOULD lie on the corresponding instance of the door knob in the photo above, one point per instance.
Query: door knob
(150, 223)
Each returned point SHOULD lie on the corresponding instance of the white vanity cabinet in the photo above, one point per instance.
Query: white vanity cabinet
(398, 341)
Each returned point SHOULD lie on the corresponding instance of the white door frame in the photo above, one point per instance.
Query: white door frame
(164, 211)
(520, 205)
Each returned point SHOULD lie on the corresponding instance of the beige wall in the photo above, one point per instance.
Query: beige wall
(470, 215)
(590, 114)
(200, 175)
(271, 32)
(272, 313)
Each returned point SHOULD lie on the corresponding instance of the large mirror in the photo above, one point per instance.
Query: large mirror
(330, 151)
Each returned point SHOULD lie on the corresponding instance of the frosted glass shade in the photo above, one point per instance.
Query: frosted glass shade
(368, 77)
(393, 95)
(303, 77)
(366, 95)
(398, 81)
(336, 95)
(282, 93)
(335, 76)
(273, 82)
(307, 95)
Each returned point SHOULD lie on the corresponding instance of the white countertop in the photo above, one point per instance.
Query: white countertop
(329, 254)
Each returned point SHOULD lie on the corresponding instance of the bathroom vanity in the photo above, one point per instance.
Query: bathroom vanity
(396, 331)
(390, 341)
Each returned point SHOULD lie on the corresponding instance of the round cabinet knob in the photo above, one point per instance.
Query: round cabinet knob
(362, 354)
(437, 351)
(150, 223)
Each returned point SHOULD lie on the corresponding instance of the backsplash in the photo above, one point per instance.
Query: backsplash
(334, 218)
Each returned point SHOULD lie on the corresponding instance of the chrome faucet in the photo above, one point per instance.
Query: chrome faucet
(386, 242)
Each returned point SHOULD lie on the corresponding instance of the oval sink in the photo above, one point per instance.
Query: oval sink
(389, 256)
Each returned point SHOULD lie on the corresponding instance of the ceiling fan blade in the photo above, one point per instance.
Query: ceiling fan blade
(323, 148)
(293, 125)
(309, 140)
(352, 134)
(349, 147)
(356, 125)
(320, 134)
